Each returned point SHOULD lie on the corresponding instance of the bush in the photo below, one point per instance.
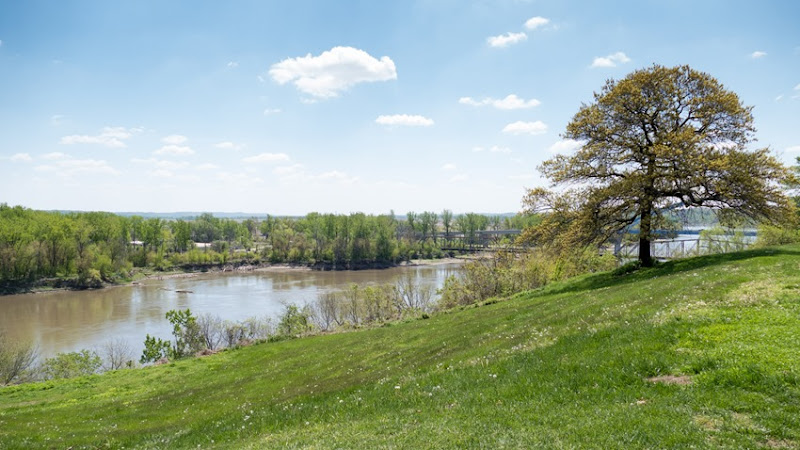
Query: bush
(71, 364)
(15, 359)
(769, 235)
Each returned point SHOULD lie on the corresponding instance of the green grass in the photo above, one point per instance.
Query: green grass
(563, 367)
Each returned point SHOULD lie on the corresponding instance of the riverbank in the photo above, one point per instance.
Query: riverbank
(141, 275)
(705, 359)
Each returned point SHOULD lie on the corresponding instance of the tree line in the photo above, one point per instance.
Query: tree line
(94, 247)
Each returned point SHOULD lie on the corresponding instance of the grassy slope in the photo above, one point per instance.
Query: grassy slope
(561, 367)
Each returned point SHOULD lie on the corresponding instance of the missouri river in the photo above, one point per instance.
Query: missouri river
(65, 321)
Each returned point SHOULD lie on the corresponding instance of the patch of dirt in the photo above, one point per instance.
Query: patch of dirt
(782, 443)
(682, 380)
(206, 352)
(707, 423)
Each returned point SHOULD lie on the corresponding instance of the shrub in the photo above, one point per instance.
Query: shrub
(71, 364)
(15, 359)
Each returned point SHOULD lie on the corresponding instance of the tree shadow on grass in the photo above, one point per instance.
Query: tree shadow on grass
(608, 279)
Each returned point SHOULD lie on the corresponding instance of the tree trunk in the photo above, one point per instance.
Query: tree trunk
(644, 238)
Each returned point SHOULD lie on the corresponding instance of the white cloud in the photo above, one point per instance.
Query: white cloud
(228, 145)
(504, 40)
(333, 71)
(174, 139)
(477, 149)
(404, 120)
(21, 157)
(112, 137)
(511, 101)
(758, 54)
(565, 146)
(520, 127)
(56, 119)
(267, 158)
(449, 166)
(459, 177)
(779, 98)
(611, 60)
(232, 64)
(54, 156)
(793, 149)
(270, 111)
(536, 22)
(71, 167)
(797, 88)
(173, 149)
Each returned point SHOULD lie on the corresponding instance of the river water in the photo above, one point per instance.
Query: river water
(65, 321)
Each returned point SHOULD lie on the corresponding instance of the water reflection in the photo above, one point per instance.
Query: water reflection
(70, 321)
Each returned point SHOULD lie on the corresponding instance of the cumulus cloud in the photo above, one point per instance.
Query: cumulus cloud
(404, 120)
(21, 157)
(333, 71)
(174, 139)
(267, 158)
(793, 149)
(71, 167)
(520, 127)
(565, 146)
(240, 179)
(504, 40)
(611, 60)
(536, 22)
(232, 64)
(797, 88)
(54, 156)
(270, 111)
(758, 54)
(449, 167)
(112, 137)
(228, 145)
(511, 101)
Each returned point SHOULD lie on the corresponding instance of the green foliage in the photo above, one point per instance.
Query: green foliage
(294, 321)
(188, 339)
(154, 349)
(657, 138)
(71, 364)
(508, 273)
(771, 235)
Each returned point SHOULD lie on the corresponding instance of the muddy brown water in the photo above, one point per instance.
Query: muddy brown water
(65, 321)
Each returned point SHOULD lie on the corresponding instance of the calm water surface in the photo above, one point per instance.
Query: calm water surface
(72, 320)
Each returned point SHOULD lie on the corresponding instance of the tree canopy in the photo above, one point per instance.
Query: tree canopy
(661, 137)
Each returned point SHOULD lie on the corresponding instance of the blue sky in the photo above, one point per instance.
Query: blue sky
(292, 107)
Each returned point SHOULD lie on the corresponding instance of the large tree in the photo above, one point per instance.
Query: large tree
(658, 138)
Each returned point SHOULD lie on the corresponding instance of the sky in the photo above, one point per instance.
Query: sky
(286, 108)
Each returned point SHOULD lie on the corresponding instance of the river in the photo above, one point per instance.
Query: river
(64, 321)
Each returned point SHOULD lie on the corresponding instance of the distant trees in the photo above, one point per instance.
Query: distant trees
(88, 249)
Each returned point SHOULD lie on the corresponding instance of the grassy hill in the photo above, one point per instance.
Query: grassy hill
(703, 352)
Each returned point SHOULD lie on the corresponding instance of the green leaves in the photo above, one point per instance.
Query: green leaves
(659, 137)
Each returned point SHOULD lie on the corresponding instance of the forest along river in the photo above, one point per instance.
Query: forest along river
(65, 321)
